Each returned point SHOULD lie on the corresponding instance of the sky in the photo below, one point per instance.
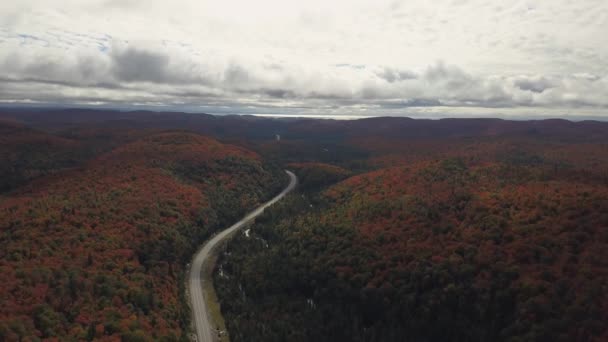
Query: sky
(441, 58)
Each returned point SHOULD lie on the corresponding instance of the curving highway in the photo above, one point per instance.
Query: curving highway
(204, 329)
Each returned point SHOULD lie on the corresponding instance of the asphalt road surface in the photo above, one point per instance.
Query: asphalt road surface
(205, 332)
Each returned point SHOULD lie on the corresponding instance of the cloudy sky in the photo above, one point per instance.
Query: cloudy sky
(356, 57)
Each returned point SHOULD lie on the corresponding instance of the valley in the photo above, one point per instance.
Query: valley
(430, 230)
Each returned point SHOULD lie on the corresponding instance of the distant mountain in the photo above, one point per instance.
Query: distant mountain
(26, 154)
(251, 127)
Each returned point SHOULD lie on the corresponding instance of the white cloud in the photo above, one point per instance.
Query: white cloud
(387, 57)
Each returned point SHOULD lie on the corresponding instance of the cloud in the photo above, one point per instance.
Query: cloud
(237, 76)
(536, 84)
(136, 64)
(77, 70)
(280, 93)
(141, 75)
(410, 103)
(393, 75)
(289, 55)
(139, 65)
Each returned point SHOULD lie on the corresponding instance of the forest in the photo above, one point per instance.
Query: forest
(400, 229)
(94, 246)
(501, 239)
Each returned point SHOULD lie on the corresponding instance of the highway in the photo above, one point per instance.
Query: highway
(205, 332)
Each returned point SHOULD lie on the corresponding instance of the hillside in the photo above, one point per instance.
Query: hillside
(99, 251)
(312, 176)
(27, 154)
(507, 246)
(431, 230)
(253, 128)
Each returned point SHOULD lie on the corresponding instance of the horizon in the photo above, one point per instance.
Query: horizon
(341, 117)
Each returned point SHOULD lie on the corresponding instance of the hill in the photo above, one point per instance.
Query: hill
(447, 248)
(27, 154)
(99, 251)
(427, 230)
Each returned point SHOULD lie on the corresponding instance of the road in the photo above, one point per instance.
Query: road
(204, 330)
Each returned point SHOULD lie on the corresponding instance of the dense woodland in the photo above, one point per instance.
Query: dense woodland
(400, 229)
(473, 240)
(98, 250)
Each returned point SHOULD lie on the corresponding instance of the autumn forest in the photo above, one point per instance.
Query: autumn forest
(398, 230)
